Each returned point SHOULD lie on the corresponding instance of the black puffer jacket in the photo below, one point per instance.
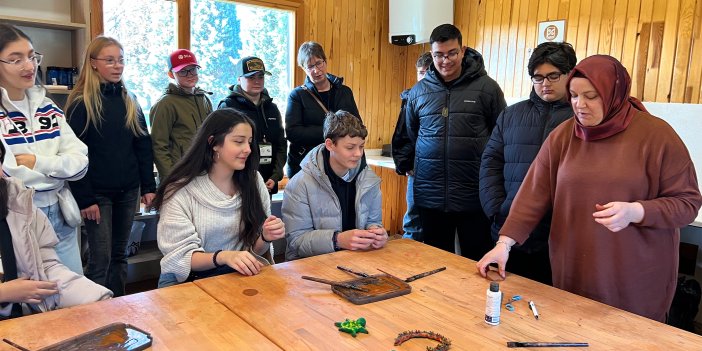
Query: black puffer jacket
(269, 128)
(402, 146)
(515, 141)
(450, 126)
(304, 118)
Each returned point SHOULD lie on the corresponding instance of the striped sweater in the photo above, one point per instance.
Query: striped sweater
(60, 155)
(199, 217)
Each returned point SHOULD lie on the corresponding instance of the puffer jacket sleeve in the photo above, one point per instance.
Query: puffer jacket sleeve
(497, 106)
(492, 180)
(73, 289)
(402, 145)
(375, 204)
(298, 206)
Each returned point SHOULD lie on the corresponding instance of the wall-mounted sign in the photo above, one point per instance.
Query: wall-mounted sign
(551, 31)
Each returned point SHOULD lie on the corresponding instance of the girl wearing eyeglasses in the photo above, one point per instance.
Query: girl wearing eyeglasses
(46, 151)
(109, 120)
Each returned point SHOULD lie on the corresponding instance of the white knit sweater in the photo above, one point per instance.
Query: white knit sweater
(199, 217)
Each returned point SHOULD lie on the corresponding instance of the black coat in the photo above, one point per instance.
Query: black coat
(520, 131)
(402, 147)
(118, 160)
(269, 127)
(304, 118)
(450, 125)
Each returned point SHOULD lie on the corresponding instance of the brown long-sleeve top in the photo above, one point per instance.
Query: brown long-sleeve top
(634, 269)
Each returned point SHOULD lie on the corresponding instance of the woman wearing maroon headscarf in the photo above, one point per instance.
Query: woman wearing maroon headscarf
(620, 183)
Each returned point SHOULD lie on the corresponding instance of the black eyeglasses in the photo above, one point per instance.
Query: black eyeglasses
(552, 77)
(449, 56)
(187, 72)
(318, 65)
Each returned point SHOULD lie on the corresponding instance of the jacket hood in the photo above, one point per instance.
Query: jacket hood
(19, 197)
(405, 94)
(472, 68)
(36, 96)
(334, 80)
(174, 89)
(237, 92)
(541, 104)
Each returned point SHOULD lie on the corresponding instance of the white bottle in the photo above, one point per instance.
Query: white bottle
(493, 304)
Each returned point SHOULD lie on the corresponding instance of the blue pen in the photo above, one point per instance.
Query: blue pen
(532, 307)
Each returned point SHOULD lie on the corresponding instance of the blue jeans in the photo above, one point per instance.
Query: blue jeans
(410, 223)
(166, 280)
(67, 247)
(107, 240)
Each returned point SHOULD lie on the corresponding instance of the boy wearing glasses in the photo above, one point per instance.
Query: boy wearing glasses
(180, 111)
(520, 131)
(251, 97)
(450, 115)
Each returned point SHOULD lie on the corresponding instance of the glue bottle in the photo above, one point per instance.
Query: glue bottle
(493, 304)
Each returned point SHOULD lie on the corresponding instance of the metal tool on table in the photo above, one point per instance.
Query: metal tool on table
(333, 283)
(417, 276)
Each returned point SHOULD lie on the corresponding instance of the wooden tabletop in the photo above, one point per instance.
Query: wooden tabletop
(299, 315)
(182, 317)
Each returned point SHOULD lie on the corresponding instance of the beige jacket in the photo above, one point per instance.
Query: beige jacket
(34, 239)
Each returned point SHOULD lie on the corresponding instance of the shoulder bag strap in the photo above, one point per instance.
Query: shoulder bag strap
(316, 99)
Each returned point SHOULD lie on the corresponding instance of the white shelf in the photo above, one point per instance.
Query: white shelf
(38, 23)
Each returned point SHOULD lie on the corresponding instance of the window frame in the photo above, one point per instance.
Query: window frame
(184, 20)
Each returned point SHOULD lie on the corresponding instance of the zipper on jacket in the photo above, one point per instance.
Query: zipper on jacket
(445, 114)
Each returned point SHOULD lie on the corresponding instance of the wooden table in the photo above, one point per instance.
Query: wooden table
(299, 315)
(182, 317)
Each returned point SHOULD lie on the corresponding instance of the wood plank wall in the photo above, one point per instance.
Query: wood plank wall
(658, 41)
(354, 35)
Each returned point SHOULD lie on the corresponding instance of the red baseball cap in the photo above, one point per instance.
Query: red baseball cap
(180, 59)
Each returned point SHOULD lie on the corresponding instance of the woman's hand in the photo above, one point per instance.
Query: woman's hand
(499, 254)
(356, 239)
(27, 160)
(241, 261)
(27, 291)
(92, 213)
(146, 199)
(269, 184)
(273, 228)
(381, 236)
(618, 215)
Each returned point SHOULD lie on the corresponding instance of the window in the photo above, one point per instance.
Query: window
(146, 30)
(223, 32)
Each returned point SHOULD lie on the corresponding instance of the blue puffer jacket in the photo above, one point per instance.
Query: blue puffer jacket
(450, 126)
(515, 141)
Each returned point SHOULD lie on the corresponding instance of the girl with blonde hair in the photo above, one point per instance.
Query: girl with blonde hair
(108, 119)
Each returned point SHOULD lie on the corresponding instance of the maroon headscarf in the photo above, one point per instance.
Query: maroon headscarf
(613, 84)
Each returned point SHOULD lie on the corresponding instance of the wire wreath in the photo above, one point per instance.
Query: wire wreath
(444, 342)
